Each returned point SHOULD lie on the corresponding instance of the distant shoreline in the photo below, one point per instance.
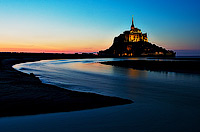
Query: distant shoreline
(191, 66)
(24, 94)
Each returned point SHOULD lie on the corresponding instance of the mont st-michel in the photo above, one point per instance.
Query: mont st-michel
(134, 43)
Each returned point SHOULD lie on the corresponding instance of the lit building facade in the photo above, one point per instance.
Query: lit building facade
(134, 35)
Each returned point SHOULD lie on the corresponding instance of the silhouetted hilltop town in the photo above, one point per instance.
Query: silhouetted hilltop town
(134, 43)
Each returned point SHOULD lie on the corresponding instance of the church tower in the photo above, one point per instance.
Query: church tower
(132, 26)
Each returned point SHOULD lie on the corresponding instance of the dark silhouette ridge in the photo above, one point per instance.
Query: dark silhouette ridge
(186, 66)
(45, 55)
(138, 49)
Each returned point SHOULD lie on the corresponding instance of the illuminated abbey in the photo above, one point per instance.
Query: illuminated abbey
(134, 43)
(134, 35)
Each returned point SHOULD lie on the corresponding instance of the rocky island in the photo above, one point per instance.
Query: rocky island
(134, 43)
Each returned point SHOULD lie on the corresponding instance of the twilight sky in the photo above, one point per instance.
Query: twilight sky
(90, 25)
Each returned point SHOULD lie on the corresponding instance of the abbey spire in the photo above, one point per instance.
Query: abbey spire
(132, 26)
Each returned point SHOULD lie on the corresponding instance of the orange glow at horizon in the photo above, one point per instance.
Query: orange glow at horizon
(64, 48)
(51, 48)
(54, 45)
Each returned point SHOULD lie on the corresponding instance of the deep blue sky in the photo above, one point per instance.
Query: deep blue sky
(91, 25)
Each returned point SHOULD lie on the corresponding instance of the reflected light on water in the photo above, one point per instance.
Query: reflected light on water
(135, 73)
(160, 98)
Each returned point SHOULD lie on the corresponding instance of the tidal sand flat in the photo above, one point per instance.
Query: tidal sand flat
(24, 94)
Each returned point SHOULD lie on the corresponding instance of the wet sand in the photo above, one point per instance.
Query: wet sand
(23, 94)
(183, 66)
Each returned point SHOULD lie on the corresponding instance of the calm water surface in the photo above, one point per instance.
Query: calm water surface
(163, 101)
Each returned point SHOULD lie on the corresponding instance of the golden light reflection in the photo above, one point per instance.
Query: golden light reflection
(136, 73)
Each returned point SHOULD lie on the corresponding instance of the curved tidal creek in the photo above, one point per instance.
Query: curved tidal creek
(163, 101)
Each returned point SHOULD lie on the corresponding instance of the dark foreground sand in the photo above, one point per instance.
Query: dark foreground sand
(191, 66)
(23, 94)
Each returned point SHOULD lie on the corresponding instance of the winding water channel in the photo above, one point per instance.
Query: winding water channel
(162, 101)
